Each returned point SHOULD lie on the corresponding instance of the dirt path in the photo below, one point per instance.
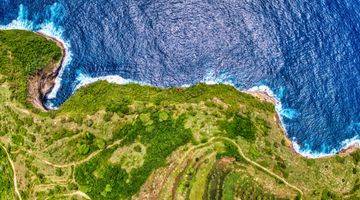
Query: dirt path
(73, 163)
(14, 173)
(259, 166)
(211, 141)
(79, 193)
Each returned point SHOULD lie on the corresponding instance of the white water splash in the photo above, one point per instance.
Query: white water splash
(212, 79)
(355, 141)
(83, 80)
(289, 113)
(47, 28)
(308, 153)
(21, 22)
(51, 30)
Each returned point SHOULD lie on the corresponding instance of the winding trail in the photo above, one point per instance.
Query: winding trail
(76, 162)
(14, 173)
(78, 193)
(259, 166)
(212, 140)
(246, 158)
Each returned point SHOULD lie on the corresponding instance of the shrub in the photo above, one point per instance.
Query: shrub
(83, 149)
(59, 172)
(72, 186)
(340, 159)
(230, 151)
(356, 156)
(163, 116)
(100, 143)
(118, 106)
(108, 116)
(240, 126)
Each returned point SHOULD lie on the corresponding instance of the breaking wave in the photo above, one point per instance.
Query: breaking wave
(307, 52)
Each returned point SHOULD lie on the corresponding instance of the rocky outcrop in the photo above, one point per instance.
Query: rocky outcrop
(43, 81)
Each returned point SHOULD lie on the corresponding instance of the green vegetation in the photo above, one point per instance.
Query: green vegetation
(6, 174)
(161, 140)
(229, 151)
(22, 53)
(241, 186)
(116, 99)
(356, 156)
(139, 142)
(240, 126)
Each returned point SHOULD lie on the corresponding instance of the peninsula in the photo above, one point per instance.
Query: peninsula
(130, 141)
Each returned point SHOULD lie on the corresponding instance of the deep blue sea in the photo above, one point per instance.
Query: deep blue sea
(307, 52)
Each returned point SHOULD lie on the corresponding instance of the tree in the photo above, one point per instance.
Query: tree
(59, 172)
(83, 149)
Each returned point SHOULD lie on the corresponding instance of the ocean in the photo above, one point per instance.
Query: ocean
(305, 53)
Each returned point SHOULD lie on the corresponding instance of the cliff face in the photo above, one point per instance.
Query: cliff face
(43, 80)
(39, 85)
(113, 141)
(30, 63)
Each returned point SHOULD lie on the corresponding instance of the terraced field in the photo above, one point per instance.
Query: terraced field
(139, 142)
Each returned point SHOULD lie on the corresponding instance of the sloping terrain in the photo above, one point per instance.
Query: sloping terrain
(138, 142)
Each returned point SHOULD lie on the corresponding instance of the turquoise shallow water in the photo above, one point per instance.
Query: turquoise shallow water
(307, 52)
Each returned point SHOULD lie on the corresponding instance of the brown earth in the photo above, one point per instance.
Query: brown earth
(42, 82)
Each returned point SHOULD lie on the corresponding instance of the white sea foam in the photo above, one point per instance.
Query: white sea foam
(50, 29)
(291, 113)
(351, 142)
(267, 90)
(278, 106)
(212, 79)
(21, 22)
(47, 28)
(307, 152)
(288, 112)
(355, 141)
(185, 85)
(83, 80)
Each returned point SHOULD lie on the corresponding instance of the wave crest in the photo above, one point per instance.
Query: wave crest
(48, 28)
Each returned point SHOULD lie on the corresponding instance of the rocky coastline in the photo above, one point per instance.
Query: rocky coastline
(264, 96)
(42, 82)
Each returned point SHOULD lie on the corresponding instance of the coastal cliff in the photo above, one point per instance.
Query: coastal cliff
(31, 62)
(42, 81)
(111, 141)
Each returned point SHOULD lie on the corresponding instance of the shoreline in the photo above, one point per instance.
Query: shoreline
(42, 82)
(264, 95)
(346, 151)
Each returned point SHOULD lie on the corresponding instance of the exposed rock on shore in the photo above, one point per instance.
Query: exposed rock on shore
(42, 82)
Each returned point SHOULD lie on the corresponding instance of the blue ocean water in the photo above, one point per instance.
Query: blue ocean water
(307, 52)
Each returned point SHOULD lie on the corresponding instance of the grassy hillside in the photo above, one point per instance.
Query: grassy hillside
(22, 53)
(6, 177)
(138, 142)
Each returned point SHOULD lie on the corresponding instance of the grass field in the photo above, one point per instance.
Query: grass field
(139, 142)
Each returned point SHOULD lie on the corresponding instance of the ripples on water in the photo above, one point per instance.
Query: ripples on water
(307, 52)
